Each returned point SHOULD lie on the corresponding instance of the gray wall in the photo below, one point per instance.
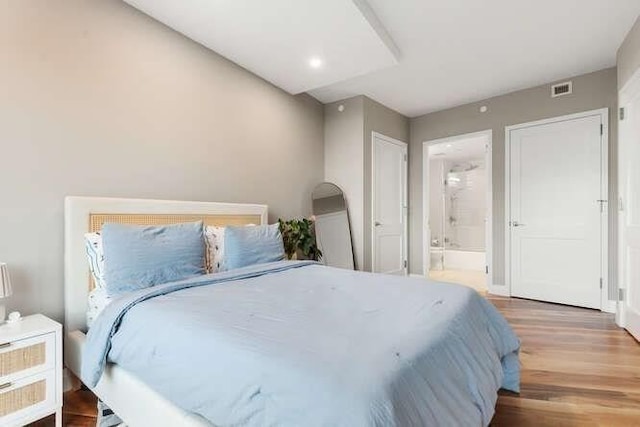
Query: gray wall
(377, 118)
(590, 91)
(343, 164)
(97, 99)
(629, 55)
(348, 159)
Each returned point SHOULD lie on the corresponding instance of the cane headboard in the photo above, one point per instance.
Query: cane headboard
(87, 214)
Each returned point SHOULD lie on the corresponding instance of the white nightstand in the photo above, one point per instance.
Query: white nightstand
(30, 371)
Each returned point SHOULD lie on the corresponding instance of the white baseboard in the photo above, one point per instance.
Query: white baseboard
(499, 290)
(609, 306)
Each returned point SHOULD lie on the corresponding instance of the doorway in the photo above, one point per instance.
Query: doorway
(556, 210)
(457, 209)
(388, 205)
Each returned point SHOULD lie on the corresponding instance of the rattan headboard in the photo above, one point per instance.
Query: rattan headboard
(88, 214)
(97, 220)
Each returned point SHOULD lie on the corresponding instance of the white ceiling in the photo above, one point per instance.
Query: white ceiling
(415, 56)
(472, 147)
(459, 51)
(277, 39)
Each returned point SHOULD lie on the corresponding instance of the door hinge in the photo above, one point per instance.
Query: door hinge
(621, 113)
(602, 204)
(620, 204)
(405, 157)
(404, 263)
(486, 269)
(620, 294)
(601, 129)
(601, 283)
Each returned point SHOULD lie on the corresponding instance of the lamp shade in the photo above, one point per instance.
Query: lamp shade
(5, 281)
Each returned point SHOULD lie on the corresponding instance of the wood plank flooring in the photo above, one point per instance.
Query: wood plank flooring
(578, 369)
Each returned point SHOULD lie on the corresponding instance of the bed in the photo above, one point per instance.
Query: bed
(285, 343)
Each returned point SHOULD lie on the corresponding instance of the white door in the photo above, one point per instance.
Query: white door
(389, 205)
(629, 219)
(554, 223)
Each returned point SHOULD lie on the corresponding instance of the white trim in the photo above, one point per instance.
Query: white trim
(405, 197)
(426, 238)
(604, 191)
(630, 89)
(499, 290)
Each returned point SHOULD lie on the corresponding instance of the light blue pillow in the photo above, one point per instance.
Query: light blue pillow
(138, 257)
(245, 246)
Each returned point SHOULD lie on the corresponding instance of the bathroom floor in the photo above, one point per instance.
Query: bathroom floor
(474, 279)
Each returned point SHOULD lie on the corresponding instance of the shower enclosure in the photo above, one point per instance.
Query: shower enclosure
(457, 213)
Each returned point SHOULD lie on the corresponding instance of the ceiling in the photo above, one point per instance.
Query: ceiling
(297, 45)
(415, 56)
(473, 147)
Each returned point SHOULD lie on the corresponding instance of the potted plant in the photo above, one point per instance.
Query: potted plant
(299, 238)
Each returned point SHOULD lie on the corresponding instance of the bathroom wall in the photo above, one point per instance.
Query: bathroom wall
(463, 209)
(465, 204)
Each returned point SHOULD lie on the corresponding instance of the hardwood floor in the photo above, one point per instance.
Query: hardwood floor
(578, 369)
(79, 410)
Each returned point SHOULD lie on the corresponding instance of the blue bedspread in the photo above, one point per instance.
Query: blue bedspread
(299, 344)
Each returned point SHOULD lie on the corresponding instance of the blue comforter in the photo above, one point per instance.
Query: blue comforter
(299, 344)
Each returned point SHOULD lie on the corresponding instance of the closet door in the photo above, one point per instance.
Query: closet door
(556, 211)
(389, 205)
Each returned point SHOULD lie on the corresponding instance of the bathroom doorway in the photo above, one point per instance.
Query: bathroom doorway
(457, 209)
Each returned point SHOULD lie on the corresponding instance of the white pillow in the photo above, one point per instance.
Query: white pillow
(95, 257)
(98, 300)
(214, 237)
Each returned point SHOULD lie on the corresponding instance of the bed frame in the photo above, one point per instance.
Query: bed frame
(132, 400)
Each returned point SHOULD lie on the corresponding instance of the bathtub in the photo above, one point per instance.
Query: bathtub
(455, 259)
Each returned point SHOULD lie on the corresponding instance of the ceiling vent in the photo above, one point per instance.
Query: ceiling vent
(561, 89)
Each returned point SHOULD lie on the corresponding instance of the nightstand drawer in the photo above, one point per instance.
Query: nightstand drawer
(31, 394)
(26, 357)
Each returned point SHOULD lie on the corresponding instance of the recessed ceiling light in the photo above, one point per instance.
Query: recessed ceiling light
(315, 62)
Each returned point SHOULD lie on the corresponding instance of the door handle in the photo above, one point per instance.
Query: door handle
(377, 224)
(517, 224)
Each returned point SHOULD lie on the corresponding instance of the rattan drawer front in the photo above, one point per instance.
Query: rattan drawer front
(25, 395)
(26, 357)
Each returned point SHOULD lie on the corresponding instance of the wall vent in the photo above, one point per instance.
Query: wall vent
(561, 89)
